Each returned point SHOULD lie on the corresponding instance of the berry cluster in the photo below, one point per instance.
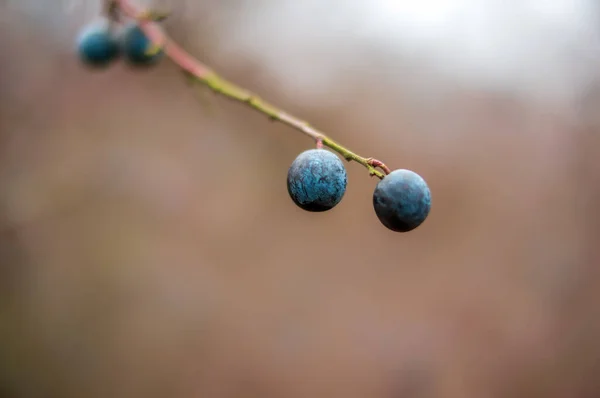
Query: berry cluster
(317, 178)
(317, 182)
(101, 43)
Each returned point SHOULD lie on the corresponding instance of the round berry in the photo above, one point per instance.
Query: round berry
(317, 180)
(135, 43)
(402, 200)
(97, 45)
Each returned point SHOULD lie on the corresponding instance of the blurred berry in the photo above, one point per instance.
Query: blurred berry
(317, 180)
(402, 200)
(135, 43)
(97, 45)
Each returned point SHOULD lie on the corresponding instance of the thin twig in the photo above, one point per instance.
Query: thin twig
(203, 74)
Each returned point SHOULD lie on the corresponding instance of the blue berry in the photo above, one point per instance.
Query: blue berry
(317, 180)
(97, 45)
(135, 43)
(402, 200)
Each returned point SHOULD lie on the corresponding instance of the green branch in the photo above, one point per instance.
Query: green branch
(200, 73)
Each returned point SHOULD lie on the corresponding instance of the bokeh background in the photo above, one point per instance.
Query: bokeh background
(148, 246)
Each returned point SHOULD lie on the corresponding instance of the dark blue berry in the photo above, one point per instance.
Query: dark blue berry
(317, 180)
(97, 45)
(402, 200)
(135, 43)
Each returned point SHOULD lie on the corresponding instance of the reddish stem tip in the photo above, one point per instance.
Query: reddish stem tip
(379, 164)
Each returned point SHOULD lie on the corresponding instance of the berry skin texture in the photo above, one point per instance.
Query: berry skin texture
(135, 44)
(97, 45)
(402, 200)
(317, 180)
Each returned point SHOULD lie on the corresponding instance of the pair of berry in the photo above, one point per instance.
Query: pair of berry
(317, 181)
(99, 44)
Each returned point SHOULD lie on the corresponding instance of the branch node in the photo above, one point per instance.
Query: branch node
(153, 49)
(252, 100)
(378, 164)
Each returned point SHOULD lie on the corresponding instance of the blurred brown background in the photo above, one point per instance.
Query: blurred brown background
(149, 248)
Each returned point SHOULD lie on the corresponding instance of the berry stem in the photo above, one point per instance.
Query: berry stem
(203, 74)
